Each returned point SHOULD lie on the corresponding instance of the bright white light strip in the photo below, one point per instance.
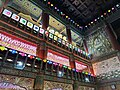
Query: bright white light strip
(10, 60)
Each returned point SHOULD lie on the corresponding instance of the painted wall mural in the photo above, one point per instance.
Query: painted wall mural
(107, 69)
(57, 86)
(98, 43)
(8, 82)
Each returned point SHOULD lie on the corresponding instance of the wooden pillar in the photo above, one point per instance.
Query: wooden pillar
(72, 61)
(112, 38)
(75, 85)
(69, 34)
(85, 45)
(39, 82)
(45, 20)
(42, 50)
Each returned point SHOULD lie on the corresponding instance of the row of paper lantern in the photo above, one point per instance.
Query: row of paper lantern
(103, 15)
(66, 16)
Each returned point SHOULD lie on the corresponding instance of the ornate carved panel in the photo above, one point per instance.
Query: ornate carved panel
(85, 88)
(107, 69)
(20, 81)
(98, 43)
(57, 86)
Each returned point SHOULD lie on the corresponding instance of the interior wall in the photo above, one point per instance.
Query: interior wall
(109, 87)
(107, 69)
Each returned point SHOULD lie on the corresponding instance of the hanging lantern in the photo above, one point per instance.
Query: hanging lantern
(30, 56)
(13, 51)
(44, 60)
(2, 48)
(69, 68)
(86, 73)
(38, 59)
(22, 54)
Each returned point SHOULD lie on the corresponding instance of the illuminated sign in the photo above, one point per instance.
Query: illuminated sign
(58, 58)
(80, 66)
(13, 42)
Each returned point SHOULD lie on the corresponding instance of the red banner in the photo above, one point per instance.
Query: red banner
(58, 58)
(13, 42)
(80, 65)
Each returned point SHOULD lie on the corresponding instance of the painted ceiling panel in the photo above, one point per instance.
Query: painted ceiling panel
(29, 7)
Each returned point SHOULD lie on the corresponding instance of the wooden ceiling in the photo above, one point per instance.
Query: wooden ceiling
(84, 11)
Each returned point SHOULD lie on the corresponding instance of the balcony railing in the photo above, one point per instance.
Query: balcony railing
(26, 26)
(21, 61)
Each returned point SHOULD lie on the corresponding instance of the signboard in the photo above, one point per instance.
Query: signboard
(80, 66)
(57, 57)
(16, 43)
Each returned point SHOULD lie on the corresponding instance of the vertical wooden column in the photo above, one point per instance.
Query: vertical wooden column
(112, 38)
(42, 50)
(72, 64)
(85, 45)
(72, 61)
(45, 20)
(76, 85)
(69, 34)
(39, 82)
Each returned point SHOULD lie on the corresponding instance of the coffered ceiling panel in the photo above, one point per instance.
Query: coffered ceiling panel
(84, 11)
